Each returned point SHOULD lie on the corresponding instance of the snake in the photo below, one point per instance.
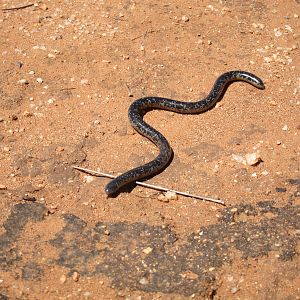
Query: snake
(141, 106)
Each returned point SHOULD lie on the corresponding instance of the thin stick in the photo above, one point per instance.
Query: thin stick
(18, 7)
(151, 186)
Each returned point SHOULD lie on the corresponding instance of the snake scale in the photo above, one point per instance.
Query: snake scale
(138, 109)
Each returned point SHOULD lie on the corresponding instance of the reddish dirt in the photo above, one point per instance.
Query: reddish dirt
(69, 71)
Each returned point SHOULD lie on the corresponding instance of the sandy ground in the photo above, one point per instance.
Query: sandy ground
(69, 71)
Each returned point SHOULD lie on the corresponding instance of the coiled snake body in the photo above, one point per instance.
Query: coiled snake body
(139, 107)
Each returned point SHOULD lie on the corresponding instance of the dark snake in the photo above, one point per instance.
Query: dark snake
(138, 109)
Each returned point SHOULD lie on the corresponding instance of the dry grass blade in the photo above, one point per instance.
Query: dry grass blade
(151, 186)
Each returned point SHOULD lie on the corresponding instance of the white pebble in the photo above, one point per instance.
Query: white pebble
(234, 290)
(147, 250)
(171, 195)
(83, 81)
(277, 32)
(285, 128)
(252, 158)
(144, 281)
(39, 80)
(185, 18)
(238, 158)
(23, 82)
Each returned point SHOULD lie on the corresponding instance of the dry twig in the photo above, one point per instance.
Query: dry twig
(151, 186)
(18, 7)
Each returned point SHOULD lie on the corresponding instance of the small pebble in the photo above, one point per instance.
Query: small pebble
(185, 18)
(3, 187)
(89, 178)
(147, 250)
(84, 81)
(162, 198)
(144, 281)
(238, 158)
(27, 113)
(60, 149)
(63, 278)
(50, 55)
(75, 276)
(23, 82)
(39, 80)
(285, 128)
(171, 195)
(234, 290)
(86, 294)
(252, 158)
(19, 64)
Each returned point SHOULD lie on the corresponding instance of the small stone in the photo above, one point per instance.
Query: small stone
(87, 294)
(189, 275)
(31, 72)
(144, 281)
(43, 6)
(60, 149)
(3, 187)
(89, 178)
(252, 158)
(162, 198)
(267, 59)
(27, 113)
(285, 128)
(171, 195)
(23, 82)
(272, 102)
(75, 276)
(238, 158)
(265, 173)
(209, 42)
(84, 81)
(234, 290)
(39, 80)
(147, 250)
(1, 119)
(6, 149)
(51, 55)
(107, 232)
(277, 32)
(63, 278)
(19, 64)
(185, 18)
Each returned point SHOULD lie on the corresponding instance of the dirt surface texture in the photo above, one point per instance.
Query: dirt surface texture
(69, 71)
